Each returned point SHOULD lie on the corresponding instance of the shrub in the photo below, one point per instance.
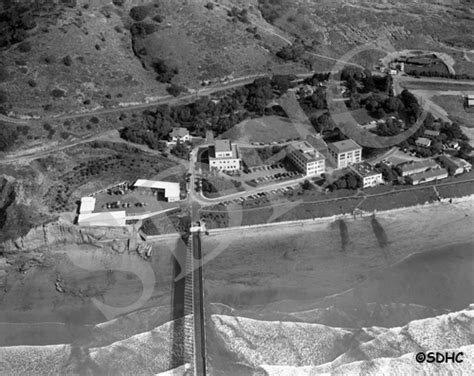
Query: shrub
(143, 29)
(209, 6)
(94, 120)
(24, 47)
(139, 13)
(20, 62)
(3, 97)
(67, 61)
(118, 3)
(3, 73)
(58, 93)
(165, 70)
(158, 18)
(48, 59)
(8, 136)
(176, 90)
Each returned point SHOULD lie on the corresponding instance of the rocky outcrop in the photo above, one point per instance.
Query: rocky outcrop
(61, 232)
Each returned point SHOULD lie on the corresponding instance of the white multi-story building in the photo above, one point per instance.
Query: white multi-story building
(345, 153)
(306, 158)
(367, 174)
(224, 156)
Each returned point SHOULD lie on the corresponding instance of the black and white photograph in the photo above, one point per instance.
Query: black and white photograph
(236, 187)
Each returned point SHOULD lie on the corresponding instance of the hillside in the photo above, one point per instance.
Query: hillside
(93, 55)
(334, 28)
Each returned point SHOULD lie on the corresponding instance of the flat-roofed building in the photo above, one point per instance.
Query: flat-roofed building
(470, 101)
(106, 219)
(411, 168)
(428, 176)
(423, 141)
(369, 176)
(431, 133)
(224, 156)
(170, 190)
(345, 153)
(87, 205)
(306, 158)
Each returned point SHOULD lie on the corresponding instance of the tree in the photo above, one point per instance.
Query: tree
(176, 90)
(139, 13)
(180, 150)
(352, 181)
(306, 185)
(326, 123)
(165, 70)
(8, 136)
(67, 61)
(292, 52)
(282, 82)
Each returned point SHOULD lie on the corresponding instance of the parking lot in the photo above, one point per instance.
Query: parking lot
(262, 195)
(133, 202)
(268, 174)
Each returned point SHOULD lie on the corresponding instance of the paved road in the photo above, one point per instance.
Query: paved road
(291, 203)
(168, 99)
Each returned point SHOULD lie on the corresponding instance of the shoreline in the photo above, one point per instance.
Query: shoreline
(351, 217)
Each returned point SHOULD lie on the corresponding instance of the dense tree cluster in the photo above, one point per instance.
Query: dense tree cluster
(272, 9)
(180, 150)
(14, 23)
(239, 14)
(317, 78)
(204, 114)
(348, 181)
(176, 90)
(435, 73)
(292, 52)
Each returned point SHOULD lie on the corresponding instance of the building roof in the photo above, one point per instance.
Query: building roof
(432, 133)
(447, 159)
(414, 166)
(222, 146)
(345, 146)
(364, 170)
(423, 141)
(317, 142)
(179, 132)
(171, 189)
(87, 204)
(470, 102)
(112, 218)
(307, 151)
(426, 175)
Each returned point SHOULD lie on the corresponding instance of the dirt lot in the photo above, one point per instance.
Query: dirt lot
(454, 106)
(264, 130)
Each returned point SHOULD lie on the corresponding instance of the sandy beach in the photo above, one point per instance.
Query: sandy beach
(306, 261)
